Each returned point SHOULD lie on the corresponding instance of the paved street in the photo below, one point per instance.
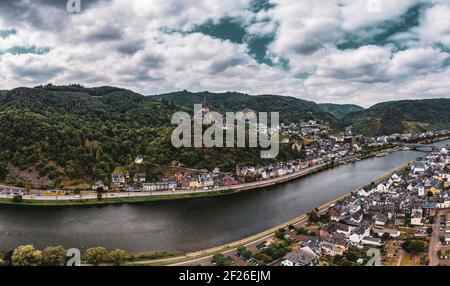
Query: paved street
(240, 187)
(434, 241)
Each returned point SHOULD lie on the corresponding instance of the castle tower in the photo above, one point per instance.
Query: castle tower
(207, 119)
(205, 106)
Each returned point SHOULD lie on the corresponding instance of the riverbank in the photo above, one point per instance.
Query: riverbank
(115, 200)
(140, 197)
(186, 225)
(193, 257)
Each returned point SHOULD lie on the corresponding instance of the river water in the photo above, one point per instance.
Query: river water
(187, 225)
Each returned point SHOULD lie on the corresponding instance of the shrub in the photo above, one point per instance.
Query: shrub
(26, 255)
(95, 255)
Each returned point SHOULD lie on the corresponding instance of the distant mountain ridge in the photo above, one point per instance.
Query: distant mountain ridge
(340, 110)
(404, 116)
(291, 109)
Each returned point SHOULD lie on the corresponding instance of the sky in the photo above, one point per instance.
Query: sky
(340, 51)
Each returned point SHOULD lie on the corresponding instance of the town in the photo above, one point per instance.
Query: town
(404, 217)
(317, 145)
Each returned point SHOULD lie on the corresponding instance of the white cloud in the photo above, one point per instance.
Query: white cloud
(366, 64)
(417, 61)
(357, 14)
(435, 26)
(146, 46)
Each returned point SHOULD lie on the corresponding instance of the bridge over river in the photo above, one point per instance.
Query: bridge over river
(421, 147)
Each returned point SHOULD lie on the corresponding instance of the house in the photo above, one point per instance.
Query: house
(334, 212)
(447, 238)
(416, 217)
(206, 181)
(338, 138)
(394, 233)
(160, 186)
(381, 220)
(172, 185)
(359, 233)
(356, 218)
(229, 181)
(149, 187)
(314, 244)
(194, 184)
(99, 184)
(332, 249)
(343, 228)
(118, 178)
(130, 189)
(139, 178)
(421, 191)
(300, 257)
(139, 159)
(369, 240)
(419, 167)
(396, 178)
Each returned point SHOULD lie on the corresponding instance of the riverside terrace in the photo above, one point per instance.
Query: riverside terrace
(397, 210)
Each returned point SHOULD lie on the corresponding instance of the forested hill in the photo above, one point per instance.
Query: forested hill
(340, 110)
(70, 133)
(58, 136)
(291, 109)
(405, 116)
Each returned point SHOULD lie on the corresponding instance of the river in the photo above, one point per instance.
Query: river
(187, 225)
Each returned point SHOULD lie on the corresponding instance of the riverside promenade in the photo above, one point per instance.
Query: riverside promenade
(164, 195)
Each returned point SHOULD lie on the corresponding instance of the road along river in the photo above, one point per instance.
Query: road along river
(187, 225)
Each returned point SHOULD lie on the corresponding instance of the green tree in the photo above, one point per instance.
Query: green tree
(95, 255)
(2, 260)
(54, 256)
(3, 170)
(280, 233)
(244, 252)
(262, 257)
(385, 236)
(26, 255)
(313, 217)
(414, 246)
(117, 257)
(222, 260)
(17, 198)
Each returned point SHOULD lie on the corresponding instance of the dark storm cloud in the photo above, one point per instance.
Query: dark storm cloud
(152, 62)
(129, 48)
(86, 77)
(221, 66)
(106, 33)
(41, 73)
